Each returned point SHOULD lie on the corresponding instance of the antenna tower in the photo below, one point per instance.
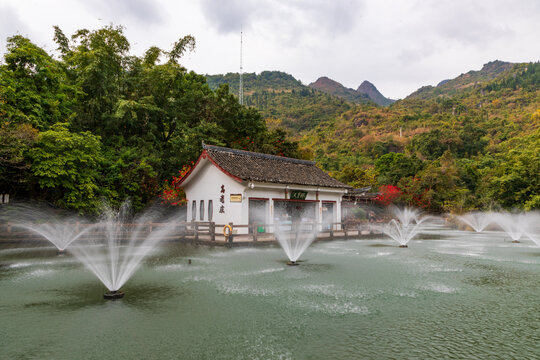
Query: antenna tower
(241, 85)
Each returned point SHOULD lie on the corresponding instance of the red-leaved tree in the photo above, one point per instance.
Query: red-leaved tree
(388, 194)
(172, 193)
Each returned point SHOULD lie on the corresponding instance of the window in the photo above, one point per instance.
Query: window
(210, 210)
(201, 209)
(193, 210)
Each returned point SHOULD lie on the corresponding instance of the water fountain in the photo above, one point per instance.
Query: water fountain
(295, 238)
(513, 224)
(119, 245)
(60, 230)
(478, 221)
(59, 233)
(405, 226)
(519, 225)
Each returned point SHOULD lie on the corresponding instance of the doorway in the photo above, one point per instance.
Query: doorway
(257, 214)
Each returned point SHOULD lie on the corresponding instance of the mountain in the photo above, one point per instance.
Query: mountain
(365, 93)
(283, 100)
(473, 79)
(371, 91)
(469, 143)
(472, 145)
(332, 87)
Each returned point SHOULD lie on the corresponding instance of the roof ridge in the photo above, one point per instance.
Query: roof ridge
(256, 154)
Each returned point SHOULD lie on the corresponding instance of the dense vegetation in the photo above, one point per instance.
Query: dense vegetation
(467, 146)
(91, 121)
(468, 143)
(283, 100)
(96, 122)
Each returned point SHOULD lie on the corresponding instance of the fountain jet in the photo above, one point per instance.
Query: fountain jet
(517, 225)
(405, 227)
(295, 238)
(118, 253)
(59, 230)
(477, 220)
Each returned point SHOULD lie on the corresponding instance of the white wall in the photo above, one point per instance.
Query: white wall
(206, 185)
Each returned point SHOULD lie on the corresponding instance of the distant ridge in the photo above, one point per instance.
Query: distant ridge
(366, 92)
(469, 80)
(283, 100)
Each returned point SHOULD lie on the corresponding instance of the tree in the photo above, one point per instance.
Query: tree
(392, 167)
(472, 139)
(113, 124)
(388, 194)
(515, 180)
(96, 62)
(432, 144)
(66, 166)
(14, 166)
(441, 177)
(356, 176)
(33, 86)
(413, 193)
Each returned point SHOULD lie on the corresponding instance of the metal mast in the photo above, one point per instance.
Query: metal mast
(241, 85)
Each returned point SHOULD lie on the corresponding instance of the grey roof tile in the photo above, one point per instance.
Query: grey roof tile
(251, 166)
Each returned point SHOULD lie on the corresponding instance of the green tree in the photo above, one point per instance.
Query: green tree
(472, 138)
(65, 165)
(445, 189)
(33, 86)
(356, 176)
(97, 62)
(515, 180)
(14, 166)
(392, 167)
(432, 144)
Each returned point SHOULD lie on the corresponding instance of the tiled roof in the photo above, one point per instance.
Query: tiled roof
(251, 166)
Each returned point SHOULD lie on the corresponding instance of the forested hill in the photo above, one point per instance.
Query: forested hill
(265, 81)
(284, 101)
(467, 147)
(468, 81)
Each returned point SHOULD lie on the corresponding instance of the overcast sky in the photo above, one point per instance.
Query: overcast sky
(399, 46)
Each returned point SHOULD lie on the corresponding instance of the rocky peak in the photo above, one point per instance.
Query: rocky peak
(371, 91)
(326, 84)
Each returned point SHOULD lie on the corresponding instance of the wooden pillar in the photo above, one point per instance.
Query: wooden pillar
(9, 228)
(255, 233)
(331, 230)
(212, 229)
(196, 230)
(149, 226)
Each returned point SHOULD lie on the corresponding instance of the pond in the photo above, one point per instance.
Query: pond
(451, 294)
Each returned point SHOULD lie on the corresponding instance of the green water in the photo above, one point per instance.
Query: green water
(450, 295)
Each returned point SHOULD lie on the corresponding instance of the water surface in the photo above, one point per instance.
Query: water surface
(449, 295)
